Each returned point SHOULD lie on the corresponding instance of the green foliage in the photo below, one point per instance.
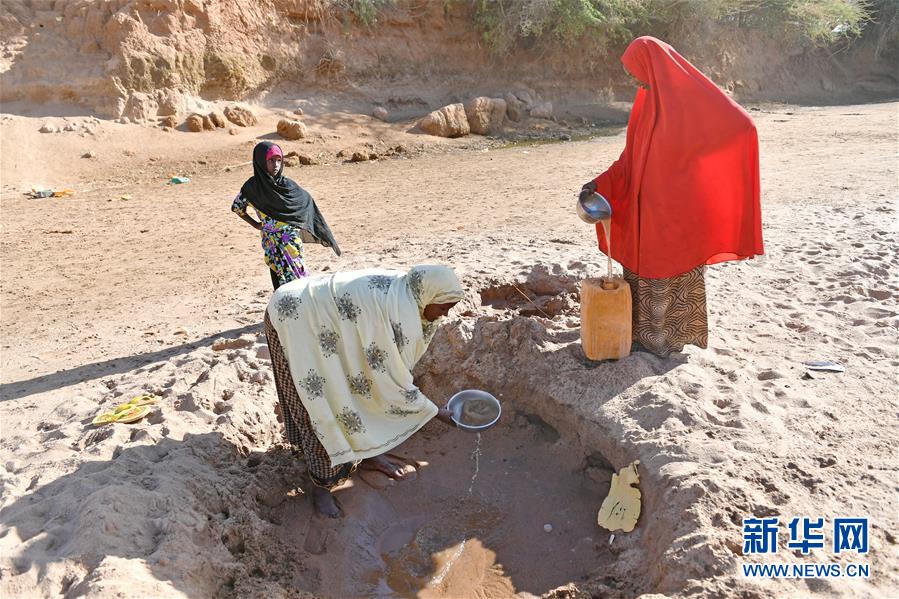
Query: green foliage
(593, 25)
(366, 11)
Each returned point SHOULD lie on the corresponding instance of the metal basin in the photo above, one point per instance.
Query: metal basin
(593, 208)
(474, 410)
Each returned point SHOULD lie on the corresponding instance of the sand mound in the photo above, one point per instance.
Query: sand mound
(188, 500)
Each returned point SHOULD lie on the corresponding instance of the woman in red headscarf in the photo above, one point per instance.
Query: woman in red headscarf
(684, 194)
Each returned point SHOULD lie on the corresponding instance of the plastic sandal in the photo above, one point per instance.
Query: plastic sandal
(132, 411)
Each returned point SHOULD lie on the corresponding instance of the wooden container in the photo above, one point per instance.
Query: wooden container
(606, 318)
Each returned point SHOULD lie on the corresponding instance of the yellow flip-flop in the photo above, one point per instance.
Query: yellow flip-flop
(132, 411)
(103, 418)
(141, 400)
(132, 415)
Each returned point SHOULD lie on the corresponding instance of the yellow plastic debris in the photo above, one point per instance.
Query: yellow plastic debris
(63, 193)
(621, 508)
(134, 410)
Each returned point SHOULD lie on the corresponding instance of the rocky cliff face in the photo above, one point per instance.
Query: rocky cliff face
(146, 58)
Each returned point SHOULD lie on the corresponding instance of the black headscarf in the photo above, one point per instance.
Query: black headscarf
(282, 199)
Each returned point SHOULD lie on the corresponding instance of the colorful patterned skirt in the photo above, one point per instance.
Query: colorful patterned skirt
(297, 428)
(669, 313)
(283, 249)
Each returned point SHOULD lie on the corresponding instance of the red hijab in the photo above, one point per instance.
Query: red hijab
(685, 190)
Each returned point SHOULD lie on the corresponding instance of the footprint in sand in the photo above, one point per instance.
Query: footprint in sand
(760, 407)
(142, 434)
(879, 313)
(95, 436)
(769, 375)
(54, 435)
(879, 294)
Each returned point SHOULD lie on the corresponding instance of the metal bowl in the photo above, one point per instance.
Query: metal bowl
(593, 208)
(457, 402)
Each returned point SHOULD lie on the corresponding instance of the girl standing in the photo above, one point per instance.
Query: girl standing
(288, 216)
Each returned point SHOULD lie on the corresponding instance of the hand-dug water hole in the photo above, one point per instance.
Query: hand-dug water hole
(470, 523)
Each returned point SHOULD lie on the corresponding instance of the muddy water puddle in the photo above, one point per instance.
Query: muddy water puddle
(472, 522)
(424, 555)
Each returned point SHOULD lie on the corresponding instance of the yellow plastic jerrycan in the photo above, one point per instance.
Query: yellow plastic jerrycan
(606, 318)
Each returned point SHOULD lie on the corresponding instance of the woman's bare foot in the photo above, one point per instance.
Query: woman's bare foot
(324, 502)
(382, 464)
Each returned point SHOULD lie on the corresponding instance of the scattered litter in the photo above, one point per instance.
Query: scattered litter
(547, 528)
(36, 193)
(824, 366)
(63, 232)
(90, 154)
(179, 180)
(621, 508)
(611, 538)
(129, 412)
(125, 197)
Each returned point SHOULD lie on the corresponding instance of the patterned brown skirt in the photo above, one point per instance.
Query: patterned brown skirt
(669, 313)
(297, 426)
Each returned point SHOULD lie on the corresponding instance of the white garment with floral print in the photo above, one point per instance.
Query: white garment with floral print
(351, 341)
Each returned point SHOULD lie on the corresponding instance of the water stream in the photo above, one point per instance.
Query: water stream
(476, 456)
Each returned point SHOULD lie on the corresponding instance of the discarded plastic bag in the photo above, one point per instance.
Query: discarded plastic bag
(621, 507)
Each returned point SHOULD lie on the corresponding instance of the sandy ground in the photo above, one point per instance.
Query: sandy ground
(103, 298)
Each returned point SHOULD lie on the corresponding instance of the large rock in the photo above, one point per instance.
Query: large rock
(294, 158)
(291, 159)
(514, 108)
(194, 122)
(140, 107)
(528, 99)
(543, 110)
(171, 103)
(449, 121)
(208, 124)
(485, 115)
(240, 116)
(290, 129)
(218, 119)
(380, 113)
